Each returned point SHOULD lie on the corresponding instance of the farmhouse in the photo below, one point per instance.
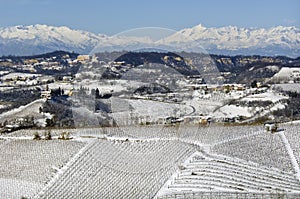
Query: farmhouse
(204, 120)
(83, 58)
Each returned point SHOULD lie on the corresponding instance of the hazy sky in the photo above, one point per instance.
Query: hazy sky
(112, 16)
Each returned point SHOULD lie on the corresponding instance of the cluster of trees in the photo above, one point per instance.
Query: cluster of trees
(84, 92)
(292, 110)
(16, 124)
(255, 103)
(48, 136)
(57, 92)
(18, 97)
(60, 107)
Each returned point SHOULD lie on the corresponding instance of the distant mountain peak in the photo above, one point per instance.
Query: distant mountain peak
(231, 40)
(199, 26)
(40, 38)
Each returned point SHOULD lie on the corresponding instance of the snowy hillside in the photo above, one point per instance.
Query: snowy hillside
(36, 39)
(287, 72)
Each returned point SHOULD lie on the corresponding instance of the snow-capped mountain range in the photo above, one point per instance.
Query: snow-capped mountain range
(231, 40)
(37, 39)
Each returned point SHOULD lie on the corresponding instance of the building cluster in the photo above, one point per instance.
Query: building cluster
(38, 71)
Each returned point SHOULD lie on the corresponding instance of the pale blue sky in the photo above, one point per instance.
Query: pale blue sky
(113, 16)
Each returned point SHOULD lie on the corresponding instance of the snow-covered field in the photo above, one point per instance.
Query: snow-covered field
(67, 87)
(23, 111)
(215, 173)
(152, 161)
(216, 134)
(3, 106)
(5, 88)
(146, 109)
(264, 148)
(294, 87)
(116, 169)
(287, 72)
(267, 96)
(26, 164)
(292, 134)
(275, 99)
(232, 111)
(22, 75)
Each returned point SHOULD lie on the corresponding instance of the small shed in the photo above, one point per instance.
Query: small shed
(271, 127)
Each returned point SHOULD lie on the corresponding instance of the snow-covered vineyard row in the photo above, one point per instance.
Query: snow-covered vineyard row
(116, 169)
(226, 195)
(292, 134)
(213, 173)
(203, 134)
(29, 164)
(266, 149)
(146, 162)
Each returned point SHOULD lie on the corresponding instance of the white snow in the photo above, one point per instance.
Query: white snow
(4, 72)
(67, 87)
(267, 96)
(190, 39)
(4, 106)
(41, 122)
(66, 166)
(294, 87)
(5, 88)
(273, 68)
(209, 173)
(286, 72)
(232, 111)
(49, 33)
(22, 75)
(15, 188)
(277, 107)
(137, 156)
(232, 37)
(157, 109)
(29, 109)
(291, 154)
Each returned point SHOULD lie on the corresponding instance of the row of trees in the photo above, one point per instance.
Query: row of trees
(48, 136)
(86, 92)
